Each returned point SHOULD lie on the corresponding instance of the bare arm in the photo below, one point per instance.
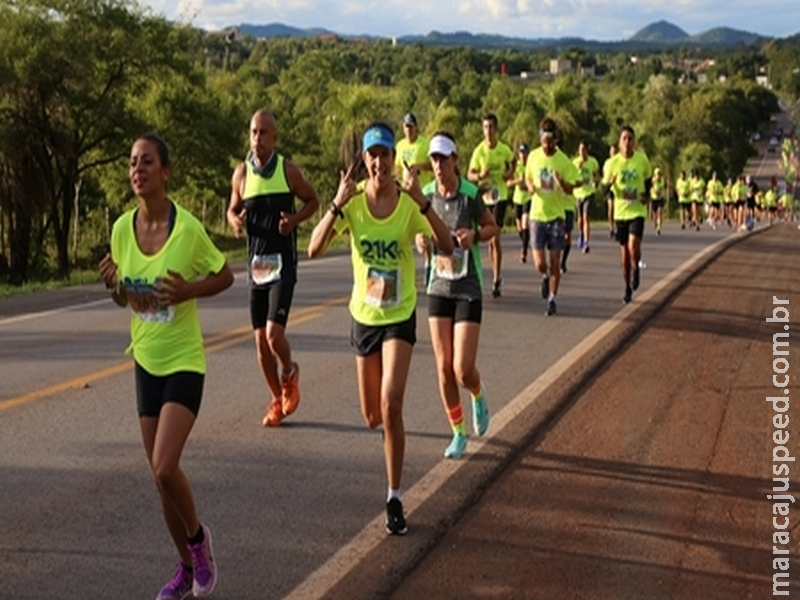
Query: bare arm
(236, 212)
(304, 191)
(323, 232)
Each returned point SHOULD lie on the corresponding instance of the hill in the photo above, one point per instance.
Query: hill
(656, 35)
(661, 32)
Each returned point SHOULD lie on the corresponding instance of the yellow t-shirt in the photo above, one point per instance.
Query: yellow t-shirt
(164, 339)
(588, 169)
(627, 178)
(497, 160)
(413, 153)
(382, 252)
(684, 189)
(549, 200)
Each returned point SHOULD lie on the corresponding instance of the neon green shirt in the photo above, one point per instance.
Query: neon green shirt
(498, 160)
(588, 169)
(698, 187)
(382, 252)
(627, 177)
(413, 153)
(684, 188)
(715, 191)
(521, 193)
(549, 200)
(164, 339)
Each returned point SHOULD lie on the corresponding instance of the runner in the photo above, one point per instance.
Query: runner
(584, 194)
(263, 192)
(683, 188)
(412, 150)
(715, 195)
(657, 193)
(569, 213)
(629, 176)
(161, 261)
(521, 200)
(550, 174)
(491, 165)
(771, 200)
(698, 187)
(455, 290)
(383, 221)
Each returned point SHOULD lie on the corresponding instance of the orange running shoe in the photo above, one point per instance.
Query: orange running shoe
(274, 414)
(291, 390)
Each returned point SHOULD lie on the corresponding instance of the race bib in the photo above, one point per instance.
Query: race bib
(383, 287)
(452, 267)
(145, 305)
(266, 268)
(630, 195)
(491, 196)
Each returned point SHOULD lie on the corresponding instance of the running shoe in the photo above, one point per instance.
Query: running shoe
(611, 233)
(586, 248)
(551, 308)
(496, 288)
(523, 256)
(274, 413)
(658, 230)
(626, 299)
(545, 287)
(395, 520)
(290, 384)
(457, 446)
(683, 225)
(480, 412)
(563, 267)
(180, 586)
(205, 570)
(635, 279)
(580, 240)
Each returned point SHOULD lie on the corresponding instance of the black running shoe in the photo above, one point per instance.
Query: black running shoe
(635, 279)
(551, 308)
(626, 299)
(496, 288)
(395, 520)
(545, 288)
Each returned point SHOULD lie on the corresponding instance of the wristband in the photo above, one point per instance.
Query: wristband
(425, 208)
(336, 211)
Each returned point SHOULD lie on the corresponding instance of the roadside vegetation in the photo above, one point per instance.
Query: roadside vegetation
(80, 80)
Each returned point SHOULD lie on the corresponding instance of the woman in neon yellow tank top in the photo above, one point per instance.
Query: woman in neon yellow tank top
(161, 261)
(383, 220)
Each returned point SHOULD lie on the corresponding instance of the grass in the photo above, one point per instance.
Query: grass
(235, 251)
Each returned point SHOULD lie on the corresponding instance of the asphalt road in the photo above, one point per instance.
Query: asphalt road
(653, 481)
(297, 511)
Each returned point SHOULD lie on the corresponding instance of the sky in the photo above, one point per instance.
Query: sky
(601, 20)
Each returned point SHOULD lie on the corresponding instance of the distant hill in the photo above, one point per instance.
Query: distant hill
(656, 35)
(278, 30)
(662, 32)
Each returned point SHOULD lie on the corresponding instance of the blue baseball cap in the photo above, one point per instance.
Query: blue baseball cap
(378, 135)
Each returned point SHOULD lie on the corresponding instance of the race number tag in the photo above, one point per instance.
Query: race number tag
(266, 268)
(630, 195)
(145, 305)
(383, 287)
(454, 266)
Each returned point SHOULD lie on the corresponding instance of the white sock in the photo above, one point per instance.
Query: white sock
(393, 494)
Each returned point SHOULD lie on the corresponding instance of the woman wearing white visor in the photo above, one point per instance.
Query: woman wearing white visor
(455, 288)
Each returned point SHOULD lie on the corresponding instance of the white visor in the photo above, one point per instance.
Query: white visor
(441, 144)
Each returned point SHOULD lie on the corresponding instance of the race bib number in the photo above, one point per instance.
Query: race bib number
(383, 287)
(452, 267)
(630, 195)
(491, 195)
(266, 268)
(547, 182)
(145, 305)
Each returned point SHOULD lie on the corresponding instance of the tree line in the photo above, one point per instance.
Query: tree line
(80, 79)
